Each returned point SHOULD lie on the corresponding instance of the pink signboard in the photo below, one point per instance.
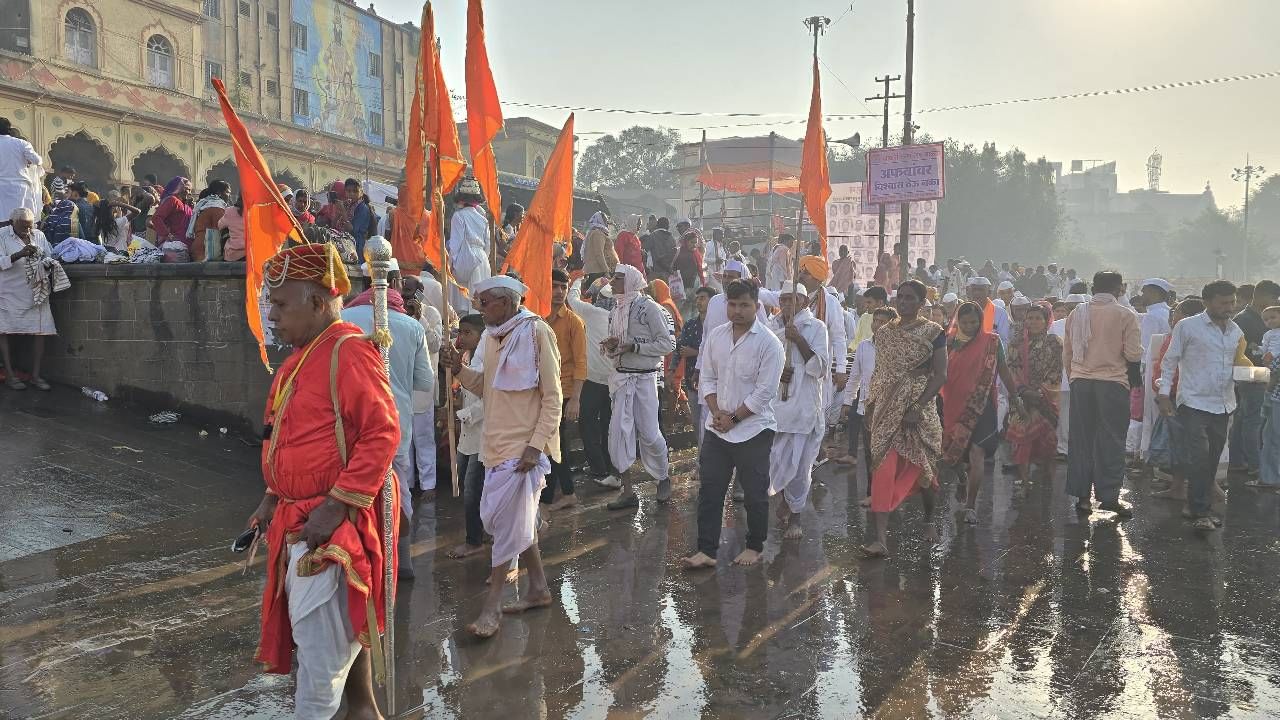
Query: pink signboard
(904, 174)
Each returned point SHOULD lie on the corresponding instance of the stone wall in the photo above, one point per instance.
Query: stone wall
(162, 337)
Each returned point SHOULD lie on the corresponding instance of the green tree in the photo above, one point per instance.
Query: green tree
(1264, 227)
(1193, 248)
(637, 157)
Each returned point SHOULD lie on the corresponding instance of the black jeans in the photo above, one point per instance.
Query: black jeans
(471, 470)
(716, 462)
(560, 473)
(593, 425)
(1099, 423)
(1201, 436)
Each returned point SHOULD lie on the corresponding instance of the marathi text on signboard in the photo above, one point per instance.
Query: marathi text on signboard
(903, 174)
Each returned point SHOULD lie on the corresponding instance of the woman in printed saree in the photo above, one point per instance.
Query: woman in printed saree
(1036, 359)
(906, 435)
(969, 428)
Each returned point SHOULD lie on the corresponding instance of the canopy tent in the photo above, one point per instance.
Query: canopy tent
(745, 165)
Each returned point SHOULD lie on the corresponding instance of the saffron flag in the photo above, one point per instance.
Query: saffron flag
(267, 219)
(484, 112)
(549, 219)
(432, 136)
(815, 184)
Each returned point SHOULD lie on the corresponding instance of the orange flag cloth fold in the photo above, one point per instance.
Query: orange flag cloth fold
(815, 184)
(267, 219)
(548, 219)
(484, 112)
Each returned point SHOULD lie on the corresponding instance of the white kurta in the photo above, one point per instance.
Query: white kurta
(469, 251)
(19, 315)
(800, 419)
(19, 177)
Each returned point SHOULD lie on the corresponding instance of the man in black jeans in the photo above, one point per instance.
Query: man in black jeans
(741, 368)
(1200, 359)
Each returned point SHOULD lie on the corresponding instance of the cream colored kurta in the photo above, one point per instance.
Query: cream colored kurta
(19, 315)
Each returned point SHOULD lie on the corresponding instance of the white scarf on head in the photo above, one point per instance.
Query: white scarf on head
(1080, 329)
(517, 357)
(597, 221)
(621, 313)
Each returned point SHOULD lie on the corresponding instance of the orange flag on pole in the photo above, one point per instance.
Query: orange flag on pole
(268, 221)
(815, 184)
(548, 219)
(484, 112)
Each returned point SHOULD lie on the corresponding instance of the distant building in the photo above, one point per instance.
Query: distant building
(121, 88)
(522, 147)
(1126, 229)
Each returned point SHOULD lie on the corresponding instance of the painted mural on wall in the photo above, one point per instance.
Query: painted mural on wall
(335, 69)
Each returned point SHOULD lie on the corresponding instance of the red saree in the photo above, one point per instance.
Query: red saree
(971, 374)
(1037, 364)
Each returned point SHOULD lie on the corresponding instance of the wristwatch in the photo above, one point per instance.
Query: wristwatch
(734, 418)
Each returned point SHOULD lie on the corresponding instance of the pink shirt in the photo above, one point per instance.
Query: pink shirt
(1114, 341)
(234, 248)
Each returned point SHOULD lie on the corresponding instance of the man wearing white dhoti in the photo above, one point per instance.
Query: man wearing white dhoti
(520, 390)
(468, 244)
(799, 405)
(19, 175)
(639, 339)
(26, 279)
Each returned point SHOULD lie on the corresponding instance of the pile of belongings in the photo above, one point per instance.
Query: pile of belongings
(77, 250)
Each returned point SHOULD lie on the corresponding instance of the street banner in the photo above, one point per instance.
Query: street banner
(904, 173)
(854, 224)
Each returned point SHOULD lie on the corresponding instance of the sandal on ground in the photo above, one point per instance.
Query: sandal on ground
(971, 516)
(15, 384)
(41, 385)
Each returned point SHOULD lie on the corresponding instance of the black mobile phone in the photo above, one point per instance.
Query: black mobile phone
(245, 539)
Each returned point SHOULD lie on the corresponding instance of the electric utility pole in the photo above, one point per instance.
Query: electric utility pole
(884, 141)
(1247, 174)
(904, 265)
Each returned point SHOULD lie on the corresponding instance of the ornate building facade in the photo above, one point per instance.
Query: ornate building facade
(120, 89)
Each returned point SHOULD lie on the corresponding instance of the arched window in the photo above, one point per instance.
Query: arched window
(80, 38)
(160, 61)
(539, 166)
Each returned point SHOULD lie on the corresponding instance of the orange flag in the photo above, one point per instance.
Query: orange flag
(815, 184)
(484, 112)
(431, 130)
(267, 219)
(548, 219)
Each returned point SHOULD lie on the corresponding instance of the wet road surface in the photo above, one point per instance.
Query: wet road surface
(119, 599)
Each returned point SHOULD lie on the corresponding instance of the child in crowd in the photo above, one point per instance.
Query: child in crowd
(1271, 340)
(470, 436)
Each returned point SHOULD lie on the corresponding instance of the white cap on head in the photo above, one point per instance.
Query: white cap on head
(1161, 283)
(737, 266)
(392, 264)
(1006, 285)
(950, 299)
(1077, 298)
(499, 281)
(1019, 300)
(999, 303)
(790, 288)
(977, 281)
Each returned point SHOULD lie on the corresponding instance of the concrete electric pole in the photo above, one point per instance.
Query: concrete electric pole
(1246, 174)
(884, 142)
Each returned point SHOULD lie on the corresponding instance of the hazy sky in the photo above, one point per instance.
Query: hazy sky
(722, 56)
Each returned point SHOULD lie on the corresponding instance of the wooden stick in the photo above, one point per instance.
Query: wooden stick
(446, 274)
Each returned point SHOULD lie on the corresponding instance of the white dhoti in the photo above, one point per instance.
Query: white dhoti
(791, 465)
(322, 631)
(835, 402)
(509, 507)
(634, 423)
(424, 448)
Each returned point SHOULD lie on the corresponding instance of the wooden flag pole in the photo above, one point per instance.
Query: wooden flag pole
(446, 275)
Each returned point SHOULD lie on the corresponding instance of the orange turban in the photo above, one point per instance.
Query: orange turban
(816, 266)
(317, 262)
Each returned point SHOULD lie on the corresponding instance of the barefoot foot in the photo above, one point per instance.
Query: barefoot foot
(875, 550)
(485, 626)
(533, 599)
(865, 502)
(564, 502)
(462, 550)
(697, 561)
(747, 557)
(793, 532)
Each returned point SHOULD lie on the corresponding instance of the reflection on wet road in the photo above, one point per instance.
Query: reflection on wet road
(120, 599)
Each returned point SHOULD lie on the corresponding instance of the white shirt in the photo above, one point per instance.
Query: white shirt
(717, 314)
(597, 321)
(19, 177)
(859, 385)
(778, 270)
(1154, 322)
(837, 340)
(1203, 355)
(1059, 328)
(850, 329)
(802, 411)
(431, 325)
(741, 373)
(471, 415)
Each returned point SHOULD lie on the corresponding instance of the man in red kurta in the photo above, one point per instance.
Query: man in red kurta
(331, 432)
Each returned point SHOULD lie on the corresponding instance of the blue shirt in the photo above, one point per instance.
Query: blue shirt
(410, 361)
